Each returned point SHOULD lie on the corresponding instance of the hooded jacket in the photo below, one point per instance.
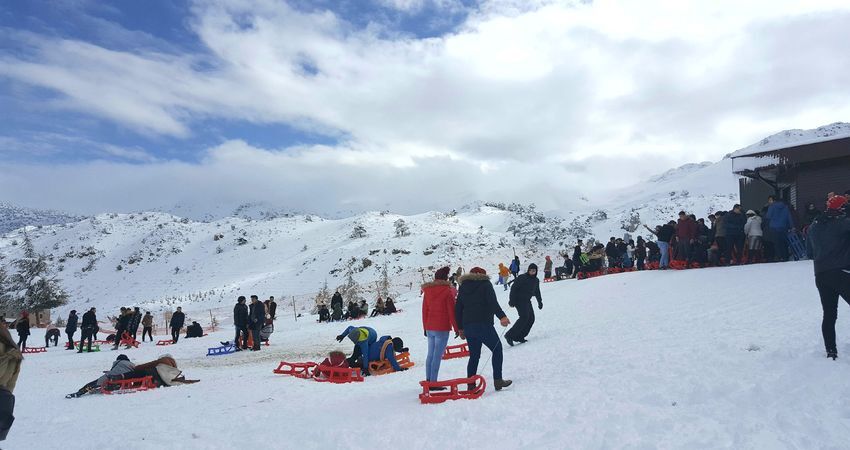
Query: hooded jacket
(524, 288)
(438, 306)
(829, 242)
(476, 301)
(779, 217)
(504, 272)
(753, 226)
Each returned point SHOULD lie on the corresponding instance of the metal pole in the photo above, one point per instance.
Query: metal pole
(294, 312)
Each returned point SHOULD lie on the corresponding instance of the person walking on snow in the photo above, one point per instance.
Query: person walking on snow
(547, 268)
(515, 266)
(474, 310)
(363, 338)
(438, 319)
(504, 274)
(523, 289)
(147, 326)
(178, 319)
(22, 326)
(71, 328)
(829, 246)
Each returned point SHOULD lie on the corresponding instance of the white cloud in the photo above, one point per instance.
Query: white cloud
(520, 89)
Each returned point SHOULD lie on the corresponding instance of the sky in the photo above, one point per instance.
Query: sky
(408, 105)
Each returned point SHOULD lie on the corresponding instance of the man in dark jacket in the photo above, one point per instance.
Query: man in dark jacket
(87, 328)
(256, 320)
(474, 310)
(135, 320)
(336, 300)
(576, 258)
(178, 319)
(240, 322)
(71, 328)
(734, 222)
(610, 252)
(523, 289)
(272, 308)
(829, 246)
(122, 326)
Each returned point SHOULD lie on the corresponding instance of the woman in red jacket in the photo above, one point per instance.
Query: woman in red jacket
(438, 318)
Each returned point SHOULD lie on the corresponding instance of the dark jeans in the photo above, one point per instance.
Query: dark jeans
(256, 334)
(831, 284)
(640, 263)
(780, 244)
(22, 341)
(86, 335)
(478, 334)
(71, 340)
(147, 331)
(7, 409)
(736, 247)
(54, 338)
(721, 247)
(175, 334)
(683, 250)
(523, 325)
(243, 331)
(576, 266)
(135, 333)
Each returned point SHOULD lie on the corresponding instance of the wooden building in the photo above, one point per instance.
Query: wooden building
(799, 174)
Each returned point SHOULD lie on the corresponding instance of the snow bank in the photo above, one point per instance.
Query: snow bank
(711, 358)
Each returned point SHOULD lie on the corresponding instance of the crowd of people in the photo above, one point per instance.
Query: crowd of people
(254, 323)
(354, 310)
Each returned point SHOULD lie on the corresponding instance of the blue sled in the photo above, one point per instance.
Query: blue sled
(223, 350)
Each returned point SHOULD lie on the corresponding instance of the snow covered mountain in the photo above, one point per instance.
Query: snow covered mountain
(157, 260)
(13, 217)
(788, 138)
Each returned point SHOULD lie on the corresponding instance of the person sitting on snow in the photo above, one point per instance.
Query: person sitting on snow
(379, 308)
(353, 311)
(195, 330)
(324, 314)
(389, 307)
(121, 366)
(363, 338)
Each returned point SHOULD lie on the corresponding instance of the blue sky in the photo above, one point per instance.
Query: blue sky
(368, 104)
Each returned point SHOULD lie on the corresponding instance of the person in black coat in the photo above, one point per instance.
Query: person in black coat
(523, 289)
(256, 320)
(577, 258)
(135, 320)
(734, 222)
(71, 328)
(178, 319)
(240, 322)
(272, 308)
(829, 246)
(22, 326)
(123, 326)
(87, 328)
(336, 300)
(474, 310)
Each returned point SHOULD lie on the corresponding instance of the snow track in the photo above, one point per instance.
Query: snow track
(711, 358)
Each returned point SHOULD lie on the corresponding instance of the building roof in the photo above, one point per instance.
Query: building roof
(796, 138)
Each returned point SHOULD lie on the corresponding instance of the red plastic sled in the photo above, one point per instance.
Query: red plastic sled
(549, 280)
(127, 386)
(338, 375)
(455, 392)
(128, 340)
(165, 342)
(34, 350)
(456, 351)
(297, 370)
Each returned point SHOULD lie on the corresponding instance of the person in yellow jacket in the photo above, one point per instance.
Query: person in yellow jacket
(10, 367)
(504, 273)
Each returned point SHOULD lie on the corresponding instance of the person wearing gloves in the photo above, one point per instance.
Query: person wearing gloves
(363, 338)
(474, 310)
(438, 319)
(523, 289)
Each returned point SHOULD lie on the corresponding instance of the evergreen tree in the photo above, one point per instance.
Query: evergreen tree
(401, 228)
(322, 297)
(358, 232)
(34, 286)
(384, 283)
(351, 291)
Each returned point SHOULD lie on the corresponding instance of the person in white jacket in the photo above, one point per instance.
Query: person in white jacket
(753, 231)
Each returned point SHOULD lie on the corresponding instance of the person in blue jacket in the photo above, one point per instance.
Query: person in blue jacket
(395, 345)
(363, 338)
(779, 221)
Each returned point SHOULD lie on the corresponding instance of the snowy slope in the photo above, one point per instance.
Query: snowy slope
(13, 217)
(791, 138)
(637, 360)
(158, 260)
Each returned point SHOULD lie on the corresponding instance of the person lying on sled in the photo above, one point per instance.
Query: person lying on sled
(163, 370)
(385, 349)
(121, 366)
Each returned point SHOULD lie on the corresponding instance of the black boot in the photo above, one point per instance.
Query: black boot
(510, 342)
(502, 384)
(832, 354)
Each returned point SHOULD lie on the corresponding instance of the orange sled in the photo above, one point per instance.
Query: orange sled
(458, 389)
(297, 370)
(456, 351)
(127, 386)
(384, 367)
(128, 340)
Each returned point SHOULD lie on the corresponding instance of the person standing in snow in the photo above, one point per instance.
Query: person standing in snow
(147, 326)
(523, 289)
(515, 266)
(754, 234)
(122, 326)
(22, 326)
(664, 234)
(780, 222)
(734, 221)
(256, 320)
(10, 368)
(611, 252)
(686, 231)
(474, 310)
(547, 268)
(87, 328)
(240, 323)
(336, 300)
(135, 320)
(438, 319)
(362, 337)
(640, 253)
(71, 328)
(178, 319)
(272, 307)
(829, 246)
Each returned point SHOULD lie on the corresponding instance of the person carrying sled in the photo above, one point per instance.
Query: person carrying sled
(363, 338)
(474, 310)
(524, 288)
(438, 319)
(829, 246)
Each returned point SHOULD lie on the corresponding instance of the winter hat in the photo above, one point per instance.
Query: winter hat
(836, 202)
(122, 357)
(442, 274)
(73, 311)
(478, 271)
(398, 345)
(354, 335)
(751, 212)
(531, 266)
(25, 314)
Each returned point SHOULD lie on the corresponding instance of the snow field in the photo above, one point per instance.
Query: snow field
(710, 358)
